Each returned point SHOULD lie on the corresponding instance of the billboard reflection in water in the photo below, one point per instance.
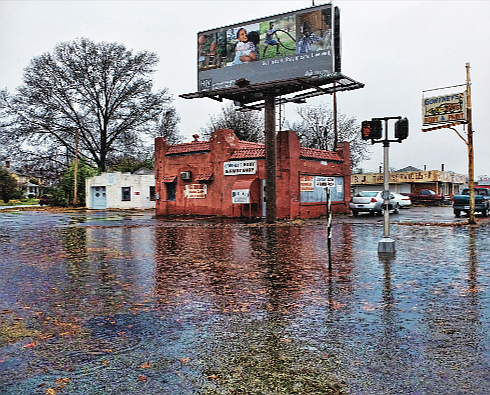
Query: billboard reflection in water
(284, 46)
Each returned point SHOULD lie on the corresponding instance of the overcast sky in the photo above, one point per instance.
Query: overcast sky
(397, 49)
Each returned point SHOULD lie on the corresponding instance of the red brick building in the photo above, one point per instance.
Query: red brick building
(226, 177)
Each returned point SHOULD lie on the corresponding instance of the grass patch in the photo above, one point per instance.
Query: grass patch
(19, 202)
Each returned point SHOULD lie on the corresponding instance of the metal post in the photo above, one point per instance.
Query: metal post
(386, 188)
(270, 158)
(386, 245)
(471, 167)
(329, 229)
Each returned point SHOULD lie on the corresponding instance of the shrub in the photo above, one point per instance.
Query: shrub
(58, 198)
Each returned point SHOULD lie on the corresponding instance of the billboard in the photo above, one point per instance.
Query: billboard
(284, 46)
(444, 109)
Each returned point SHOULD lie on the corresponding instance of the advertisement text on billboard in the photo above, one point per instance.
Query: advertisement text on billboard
(296, 44)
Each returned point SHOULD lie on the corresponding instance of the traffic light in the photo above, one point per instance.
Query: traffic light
(401, 129)
(372, 129)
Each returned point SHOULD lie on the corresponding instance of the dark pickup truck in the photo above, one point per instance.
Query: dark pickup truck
(462, 202)
(428, 197)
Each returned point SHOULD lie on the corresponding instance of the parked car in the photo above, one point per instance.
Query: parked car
(402, 200)
(428, 197)
(44, 200)
(461, 202)
(372, 202)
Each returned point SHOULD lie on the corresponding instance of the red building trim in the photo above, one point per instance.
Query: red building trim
(191, 177)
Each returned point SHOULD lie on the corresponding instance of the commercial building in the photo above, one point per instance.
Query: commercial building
(410, 180)
(226, 177)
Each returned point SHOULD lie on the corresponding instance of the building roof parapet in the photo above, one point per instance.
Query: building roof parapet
(189, 148)
(250, 150)
(314, 153)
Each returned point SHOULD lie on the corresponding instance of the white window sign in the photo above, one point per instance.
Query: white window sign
(195, 191)
(240, 167)
(324, 182)
(240, 196)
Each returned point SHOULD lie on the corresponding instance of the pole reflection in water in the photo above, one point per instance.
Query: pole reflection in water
(184, 308)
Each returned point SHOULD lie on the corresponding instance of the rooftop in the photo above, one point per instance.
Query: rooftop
(250, 150)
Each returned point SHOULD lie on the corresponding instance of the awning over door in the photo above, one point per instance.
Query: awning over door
(169, 178)
(246, 191)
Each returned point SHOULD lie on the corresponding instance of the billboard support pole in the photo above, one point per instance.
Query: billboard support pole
(335, 129)
(471, 168)
(270, 158)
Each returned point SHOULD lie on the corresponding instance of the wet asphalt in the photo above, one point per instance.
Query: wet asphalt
(122, 302)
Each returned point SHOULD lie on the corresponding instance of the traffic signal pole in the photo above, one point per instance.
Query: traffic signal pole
(386, 244)
(386, 184)
(372, 130)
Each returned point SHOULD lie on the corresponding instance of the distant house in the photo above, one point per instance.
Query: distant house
(27, 187)
(121, 190)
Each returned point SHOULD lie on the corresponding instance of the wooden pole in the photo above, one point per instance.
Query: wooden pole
(471, 166)
(75, 171)
(270, 159)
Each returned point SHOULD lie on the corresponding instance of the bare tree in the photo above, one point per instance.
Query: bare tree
(315, 129)
(100, 91)
(248, 125)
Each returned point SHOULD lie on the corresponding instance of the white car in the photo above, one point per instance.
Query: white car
(402, 200)
(372, 202)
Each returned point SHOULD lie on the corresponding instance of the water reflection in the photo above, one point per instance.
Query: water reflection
(242, 308)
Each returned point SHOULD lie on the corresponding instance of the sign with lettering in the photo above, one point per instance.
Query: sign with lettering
(409, 177)
(444, 109)
(306, 183)
(195, 191)
(240, 167)
(325, 182)
(240, 196)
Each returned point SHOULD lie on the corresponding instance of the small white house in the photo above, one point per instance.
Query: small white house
(121, 190)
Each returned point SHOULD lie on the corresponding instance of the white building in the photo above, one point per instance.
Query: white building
(121, 190)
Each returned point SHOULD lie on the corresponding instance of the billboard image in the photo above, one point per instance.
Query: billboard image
(279, 47)
(444, 109)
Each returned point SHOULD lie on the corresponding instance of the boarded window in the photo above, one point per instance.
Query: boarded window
(317, 191)
(126, 194)
(170, 191)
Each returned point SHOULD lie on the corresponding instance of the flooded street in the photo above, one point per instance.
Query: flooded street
(125, 303)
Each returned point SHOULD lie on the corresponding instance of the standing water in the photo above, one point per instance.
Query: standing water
(124, 303)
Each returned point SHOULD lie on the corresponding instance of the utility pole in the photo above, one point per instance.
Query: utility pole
(75, 171)
(471, 166)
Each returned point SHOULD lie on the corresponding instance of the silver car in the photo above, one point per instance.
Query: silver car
(372, 202)
(402, 200)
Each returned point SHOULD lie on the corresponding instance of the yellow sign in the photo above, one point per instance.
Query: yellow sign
(408, 177)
